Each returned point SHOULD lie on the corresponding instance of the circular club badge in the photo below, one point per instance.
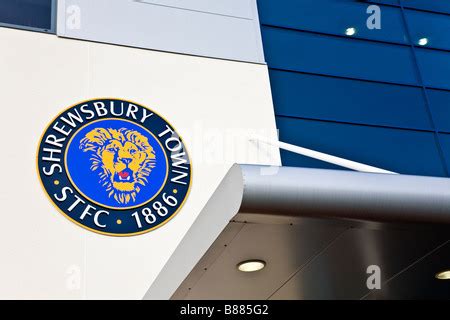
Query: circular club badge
(114, 167)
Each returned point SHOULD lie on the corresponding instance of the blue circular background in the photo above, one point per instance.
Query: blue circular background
(88, 181)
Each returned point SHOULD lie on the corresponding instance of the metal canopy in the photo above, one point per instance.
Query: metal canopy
(318, 231)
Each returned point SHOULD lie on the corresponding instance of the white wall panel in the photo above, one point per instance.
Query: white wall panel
(234, 8)
(220, 28)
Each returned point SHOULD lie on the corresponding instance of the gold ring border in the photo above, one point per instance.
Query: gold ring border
(98, 203)
(98, 231)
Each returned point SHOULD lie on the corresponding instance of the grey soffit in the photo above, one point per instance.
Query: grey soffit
(225, 29)
(318, 230)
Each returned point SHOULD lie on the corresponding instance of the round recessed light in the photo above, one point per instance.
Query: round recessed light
(423, 41)
(251, 265)
(350, 31)
(443, 275)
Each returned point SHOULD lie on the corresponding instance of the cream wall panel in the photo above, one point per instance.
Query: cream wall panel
(39, 248)
(206, 100)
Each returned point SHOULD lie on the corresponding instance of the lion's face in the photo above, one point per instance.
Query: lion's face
(123, 161)
(123, 158)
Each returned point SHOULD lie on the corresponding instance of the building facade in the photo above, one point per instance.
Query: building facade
(367, 81)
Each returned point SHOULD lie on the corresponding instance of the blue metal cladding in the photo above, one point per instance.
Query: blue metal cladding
(346, 100)
(333, 17)
(378, 96)
(322, 54)
(402, 150)
(433, 26)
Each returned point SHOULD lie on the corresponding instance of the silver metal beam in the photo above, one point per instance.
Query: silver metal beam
(349, 164)
(345, 194)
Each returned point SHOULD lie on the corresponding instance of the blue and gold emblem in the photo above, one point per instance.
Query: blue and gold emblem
(114, 167)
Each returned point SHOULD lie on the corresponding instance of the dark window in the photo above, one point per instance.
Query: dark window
(28, 14)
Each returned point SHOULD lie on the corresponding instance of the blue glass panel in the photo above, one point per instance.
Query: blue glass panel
(427, 29)
(445, 142)
(435, 67)
(431, 5)
(440, 106)
(402, 151)
(302, 95)
(27, 13)
(301, 51)
(391, 2)
(346, 18)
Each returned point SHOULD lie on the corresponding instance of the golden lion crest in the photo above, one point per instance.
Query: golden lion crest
(123, 158)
